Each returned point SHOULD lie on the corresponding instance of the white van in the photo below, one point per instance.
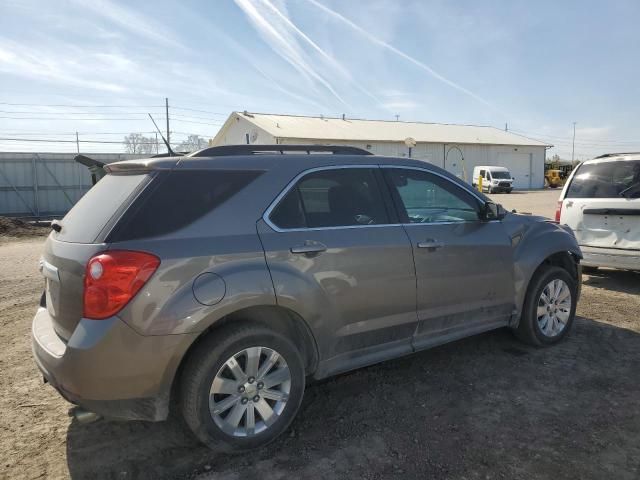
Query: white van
(494, 179)
(601, 203)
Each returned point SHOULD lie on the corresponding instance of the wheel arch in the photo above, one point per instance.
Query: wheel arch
(566, 259)
(281, 319)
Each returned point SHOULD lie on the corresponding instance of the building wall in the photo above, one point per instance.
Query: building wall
(236, 134)
(525, 163)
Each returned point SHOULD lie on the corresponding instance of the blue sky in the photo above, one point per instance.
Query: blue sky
(98, 66)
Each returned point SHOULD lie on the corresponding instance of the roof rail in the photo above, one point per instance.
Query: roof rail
(228, 150)
(606, 155)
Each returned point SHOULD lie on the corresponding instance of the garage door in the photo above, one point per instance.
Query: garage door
(519, 164)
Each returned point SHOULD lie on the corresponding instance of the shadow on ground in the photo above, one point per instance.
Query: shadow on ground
(615, 280)
(484, 407)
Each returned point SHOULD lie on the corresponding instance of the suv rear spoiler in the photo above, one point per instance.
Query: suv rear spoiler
(142, 165)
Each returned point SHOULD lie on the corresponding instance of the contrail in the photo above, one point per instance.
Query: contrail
(319, 49)
(280, 45)
(400, 53)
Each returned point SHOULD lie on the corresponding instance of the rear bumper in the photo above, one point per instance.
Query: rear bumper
(108, 368)
(610, 257)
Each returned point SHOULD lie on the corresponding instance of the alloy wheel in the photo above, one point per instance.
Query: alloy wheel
(554, 308)
(250, 391)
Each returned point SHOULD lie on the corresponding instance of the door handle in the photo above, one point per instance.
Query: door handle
(309, 248)
(431, 244)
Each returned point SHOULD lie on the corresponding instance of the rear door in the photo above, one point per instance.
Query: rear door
(339, 258)
(602, 204)
(464, 266)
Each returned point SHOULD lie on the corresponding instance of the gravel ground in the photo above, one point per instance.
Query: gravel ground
(484, 407)
(537, 202)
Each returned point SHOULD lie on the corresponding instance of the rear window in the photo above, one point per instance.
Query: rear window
(606, 180)
(88, 217)
(177, 199)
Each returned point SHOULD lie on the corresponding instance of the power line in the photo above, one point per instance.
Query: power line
(200, 111)
(33, 112)
(194, 116)
(191, 121)
(78, 106)
(569, 139)
(55, 134)
(74, 119)
(42, 140)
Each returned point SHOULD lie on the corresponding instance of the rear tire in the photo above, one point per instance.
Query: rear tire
(549, 307)
(226, 412)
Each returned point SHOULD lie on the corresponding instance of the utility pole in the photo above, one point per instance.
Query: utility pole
(166, 106)
(573, 145)
(506, 127)
(397, 117)
(77, 142)
(156, 143)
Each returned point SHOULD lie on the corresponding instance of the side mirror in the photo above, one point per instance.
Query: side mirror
(493, 211)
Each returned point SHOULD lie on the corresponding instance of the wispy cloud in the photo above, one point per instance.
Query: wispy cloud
(131, 21)
(377, 41)
(17, 59)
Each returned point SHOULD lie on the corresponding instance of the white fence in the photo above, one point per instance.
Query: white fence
(45, 184)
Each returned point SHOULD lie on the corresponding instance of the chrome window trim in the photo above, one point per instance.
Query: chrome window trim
(292, 183)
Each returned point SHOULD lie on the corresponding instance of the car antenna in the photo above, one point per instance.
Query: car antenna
(171, 152)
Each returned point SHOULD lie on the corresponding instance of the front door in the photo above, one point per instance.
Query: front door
(464, 265)
(338, 258)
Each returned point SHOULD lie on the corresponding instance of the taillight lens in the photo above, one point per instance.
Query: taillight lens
(113, 278)
(558, 211)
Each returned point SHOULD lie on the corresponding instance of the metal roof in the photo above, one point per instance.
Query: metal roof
(337, 129)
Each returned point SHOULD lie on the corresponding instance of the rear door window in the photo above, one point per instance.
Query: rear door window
(88, 217)
(606, 180)
(332, 198)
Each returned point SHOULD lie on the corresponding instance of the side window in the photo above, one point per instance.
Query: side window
(427, 198)
(332, 198)
(482, 173)
(179, 198)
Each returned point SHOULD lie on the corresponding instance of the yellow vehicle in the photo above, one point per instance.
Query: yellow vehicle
(553, 178)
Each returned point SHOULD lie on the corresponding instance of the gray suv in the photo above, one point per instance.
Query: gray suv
(219, 282)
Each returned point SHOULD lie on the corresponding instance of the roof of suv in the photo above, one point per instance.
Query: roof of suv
(611, 157)
(263, 157)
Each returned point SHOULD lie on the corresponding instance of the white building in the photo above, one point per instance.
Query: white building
(457, 148)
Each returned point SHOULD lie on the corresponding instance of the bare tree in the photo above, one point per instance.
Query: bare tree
(138, 143)
(192, 143)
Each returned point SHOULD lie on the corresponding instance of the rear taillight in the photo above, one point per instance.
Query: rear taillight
(113, 278)
(558, 211)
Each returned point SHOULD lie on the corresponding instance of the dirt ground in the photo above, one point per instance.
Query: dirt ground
(536, 202)
(486, 407)
(12, 228)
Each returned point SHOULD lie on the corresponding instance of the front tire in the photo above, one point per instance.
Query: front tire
(549, 308)
(241, 387)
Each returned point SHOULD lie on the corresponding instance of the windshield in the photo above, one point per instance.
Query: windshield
(501, 174)
(606, 180)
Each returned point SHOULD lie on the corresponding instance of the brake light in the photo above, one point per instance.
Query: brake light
(113, 278)
(558, 211)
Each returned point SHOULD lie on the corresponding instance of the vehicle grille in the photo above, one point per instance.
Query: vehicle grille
(504, 184)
